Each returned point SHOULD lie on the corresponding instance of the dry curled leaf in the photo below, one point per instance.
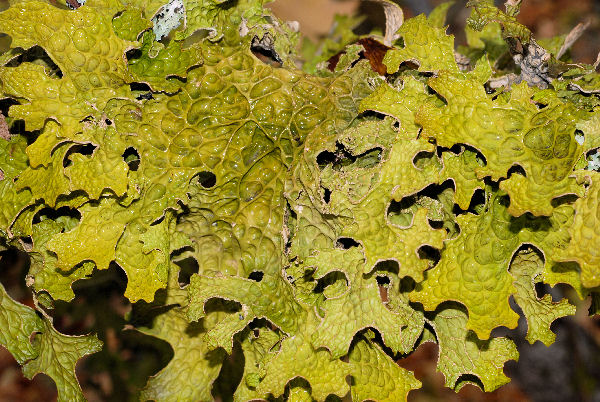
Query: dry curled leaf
(572, 37)
(394, 18)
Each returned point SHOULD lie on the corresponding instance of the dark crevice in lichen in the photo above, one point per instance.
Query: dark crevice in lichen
(141, 90)
(476, 206)
(54, 214)
(423, 158)
(564, 199)
(187, 267)
(205, 179)
(459, 148)
(264, 50)
(432, 254)
(516, 169)
(330, 279)
(132, 157)
(341, 157)
(83, 149)
(230, 375)
(290, 220)
(36, 54)
(256, 276)
(326, 195)
(346, 243)
(468, 379)
(133, 54)
(400, 213)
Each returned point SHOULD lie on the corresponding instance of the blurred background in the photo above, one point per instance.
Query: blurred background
(546, 18)
(569, 370)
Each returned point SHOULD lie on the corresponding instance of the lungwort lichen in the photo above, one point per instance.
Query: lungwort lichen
(399, 190)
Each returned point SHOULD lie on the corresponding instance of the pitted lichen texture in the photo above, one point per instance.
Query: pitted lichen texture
(338, 217)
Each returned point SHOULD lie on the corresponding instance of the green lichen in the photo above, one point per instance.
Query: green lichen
(295, 191)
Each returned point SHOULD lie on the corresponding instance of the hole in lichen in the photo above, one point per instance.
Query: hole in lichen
(383, 283)
(264, 50)
(593, 160)
(256, 276)
(516, 169)
(409, 65)
(215, 304)
(476, 205)
(382, 280)
(458, 149)
(325, 158)
(63, 212)
(206, 179)
(36, 54)
(27, 242)
(187, 267)
(383, 272)
(435, 224)
(144, 96)
(407, 284)
(290, 219)
(371, 115)
(401, 213)
(335, 282)
(133, 54)
(533, 255)
(386, 267)
(326, 195)
(341, 158)
(564, 199)
(300, 382)
(468, 379)
(132, 157)
(158, 221)
(83, 149)
(424, 158)
(139, 86)
(432, 91)
(542, 289)
(346, 243)
(427, 252)
(231, 374)
(141, 90)
(5, 105)
(266, 56)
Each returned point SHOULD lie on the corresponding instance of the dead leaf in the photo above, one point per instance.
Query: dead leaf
(374, 51)
(572, 38)
(394, 18)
